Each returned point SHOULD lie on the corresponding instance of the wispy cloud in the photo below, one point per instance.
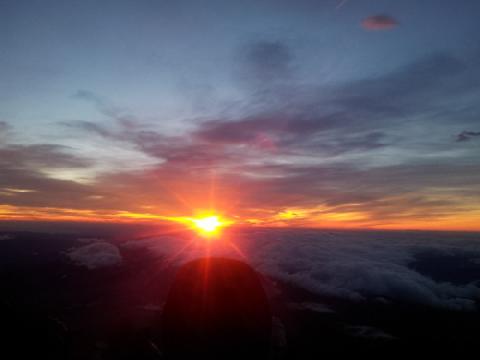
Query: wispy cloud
(467, 135)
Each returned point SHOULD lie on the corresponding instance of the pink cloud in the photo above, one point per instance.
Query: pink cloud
(379, 22)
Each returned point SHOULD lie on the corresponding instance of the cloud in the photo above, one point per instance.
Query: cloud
(4, 129)
(340, 139)
(339, 148)
(104, 106)
(467, 135)
(38, 189)
(89, 240)
(359, 266)
(354, 116)
(369, 332)
(263, 68)
(315, 307)
(4, 126)
(284, 133)
(354, 265)
(30, 169)
(87, 126)
(411, 90)
(268, 60)
(379, 22)
(95, 255)
(360, 108)
(40, 156)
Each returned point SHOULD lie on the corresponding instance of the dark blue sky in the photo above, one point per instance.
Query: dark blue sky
(363, 111)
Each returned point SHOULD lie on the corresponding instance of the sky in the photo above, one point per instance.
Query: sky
(343, 114)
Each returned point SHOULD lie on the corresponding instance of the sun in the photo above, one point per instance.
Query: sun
(208, 224)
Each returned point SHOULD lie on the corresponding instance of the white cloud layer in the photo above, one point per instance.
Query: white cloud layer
(349, 265)
(95, 255)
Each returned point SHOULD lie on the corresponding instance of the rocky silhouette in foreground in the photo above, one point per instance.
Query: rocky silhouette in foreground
(217, 308)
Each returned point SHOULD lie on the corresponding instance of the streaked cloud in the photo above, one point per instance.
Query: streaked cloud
(467, 135)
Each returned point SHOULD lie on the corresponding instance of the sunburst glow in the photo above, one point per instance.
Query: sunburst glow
(208, 224)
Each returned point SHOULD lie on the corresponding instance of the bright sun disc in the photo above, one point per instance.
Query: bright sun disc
(208, 224)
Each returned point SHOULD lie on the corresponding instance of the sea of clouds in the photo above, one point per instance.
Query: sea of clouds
(360, 266)
(352, 265)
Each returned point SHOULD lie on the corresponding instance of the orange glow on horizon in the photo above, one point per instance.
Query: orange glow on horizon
(210, 224)
(207, 225)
